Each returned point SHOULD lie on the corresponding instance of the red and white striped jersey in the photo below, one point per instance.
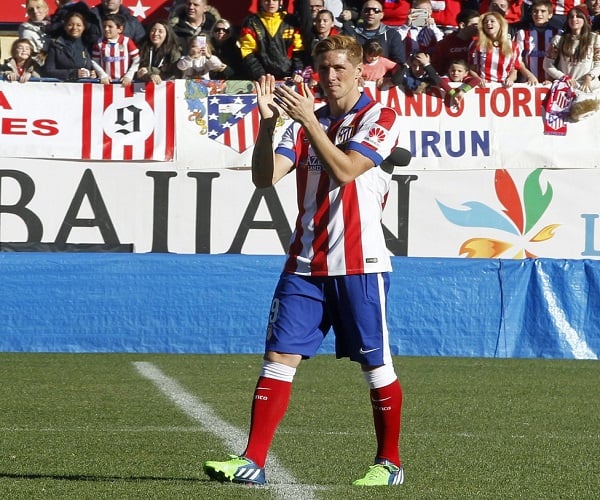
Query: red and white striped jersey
(117, 58)
(562, 7)
(338, 229)
(493, 66)
(533, 44)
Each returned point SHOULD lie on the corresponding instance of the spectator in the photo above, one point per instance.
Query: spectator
(271, 43)
(418, 75)
(133, 27)
(575, 55)
(420, 33)
(193, 18)
(68, 58)
(377, 68)
(21, 66)
(34, 29)
(534, 39)
(458, 72)
(93, 30)
(224, 45)
(493, 56)
(323, 26)
(351, 11)
(117, 55)
(159, 54)
(593, 7)
(199, 60)
(456, 44)
(512, 10)
(372, 28)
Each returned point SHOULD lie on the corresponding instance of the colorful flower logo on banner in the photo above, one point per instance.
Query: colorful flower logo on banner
(520, 215)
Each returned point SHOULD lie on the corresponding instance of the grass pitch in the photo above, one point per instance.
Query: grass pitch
(89, 426)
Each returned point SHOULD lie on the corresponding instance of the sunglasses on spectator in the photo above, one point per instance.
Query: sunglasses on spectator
(222, 30)
(375, 10)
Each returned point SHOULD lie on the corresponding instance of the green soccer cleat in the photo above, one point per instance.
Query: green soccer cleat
(235, 470)
(382, 474)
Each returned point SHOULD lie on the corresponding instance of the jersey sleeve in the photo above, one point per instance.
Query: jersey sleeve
(377, 134)
(287, 143)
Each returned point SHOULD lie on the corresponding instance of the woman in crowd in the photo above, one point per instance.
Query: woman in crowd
(575, 57)
(21, 66)
(493, 56)
(159, 53)
(34, 29)
(224, 45)
(68, 58)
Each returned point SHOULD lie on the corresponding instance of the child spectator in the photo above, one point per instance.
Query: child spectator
(493, 56)
(534, 40)
(418, 75)
(271, 43)
(21, 66)
(458, 72)
(199, 61)
(116, 54)
(376, 68)
(34, 29)
(68, 58)
(224, 45)
(159, 54)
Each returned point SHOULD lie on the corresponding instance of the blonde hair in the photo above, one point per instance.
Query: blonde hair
(353, 49)
(33, 3)
(502, 39)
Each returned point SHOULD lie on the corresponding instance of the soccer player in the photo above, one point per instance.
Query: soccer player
(336, 273)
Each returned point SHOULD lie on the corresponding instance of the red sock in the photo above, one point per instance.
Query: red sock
(271, 398)
(387, 411)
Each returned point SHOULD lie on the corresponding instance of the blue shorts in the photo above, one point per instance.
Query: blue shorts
(305, 308)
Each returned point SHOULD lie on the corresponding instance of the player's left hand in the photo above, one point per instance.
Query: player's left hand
(298, 104)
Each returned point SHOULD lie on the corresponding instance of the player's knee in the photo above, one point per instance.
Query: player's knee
(381, 376)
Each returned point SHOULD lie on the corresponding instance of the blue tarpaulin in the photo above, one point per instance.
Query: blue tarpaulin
(105, 302)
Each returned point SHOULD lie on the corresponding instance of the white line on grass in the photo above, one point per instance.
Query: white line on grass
(280, 480)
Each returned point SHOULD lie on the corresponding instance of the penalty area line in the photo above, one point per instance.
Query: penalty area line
(280, 480)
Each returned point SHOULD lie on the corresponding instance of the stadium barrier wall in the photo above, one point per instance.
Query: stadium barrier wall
(161, 303)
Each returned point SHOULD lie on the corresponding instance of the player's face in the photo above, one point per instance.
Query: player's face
(491, 26)
(323, 24)
(338, 76)
(457, 72)
(158, 35)
(74, 27)
(541, 15)
(111, 30)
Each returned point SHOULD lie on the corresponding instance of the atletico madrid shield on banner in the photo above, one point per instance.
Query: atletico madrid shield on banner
(233, 120)
(127, 123)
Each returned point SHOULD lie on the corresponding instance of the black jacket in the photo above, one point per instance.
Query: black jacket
(65, 56)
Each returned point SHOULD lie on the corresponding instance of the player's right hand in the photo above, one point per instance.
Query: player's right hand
(264, 96)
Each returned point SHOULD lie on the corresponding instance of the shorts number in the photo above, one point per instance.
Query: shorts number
(274, 311)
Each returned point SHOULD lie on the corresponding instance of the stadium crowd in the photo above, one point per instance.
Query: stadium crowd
(453, 45)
